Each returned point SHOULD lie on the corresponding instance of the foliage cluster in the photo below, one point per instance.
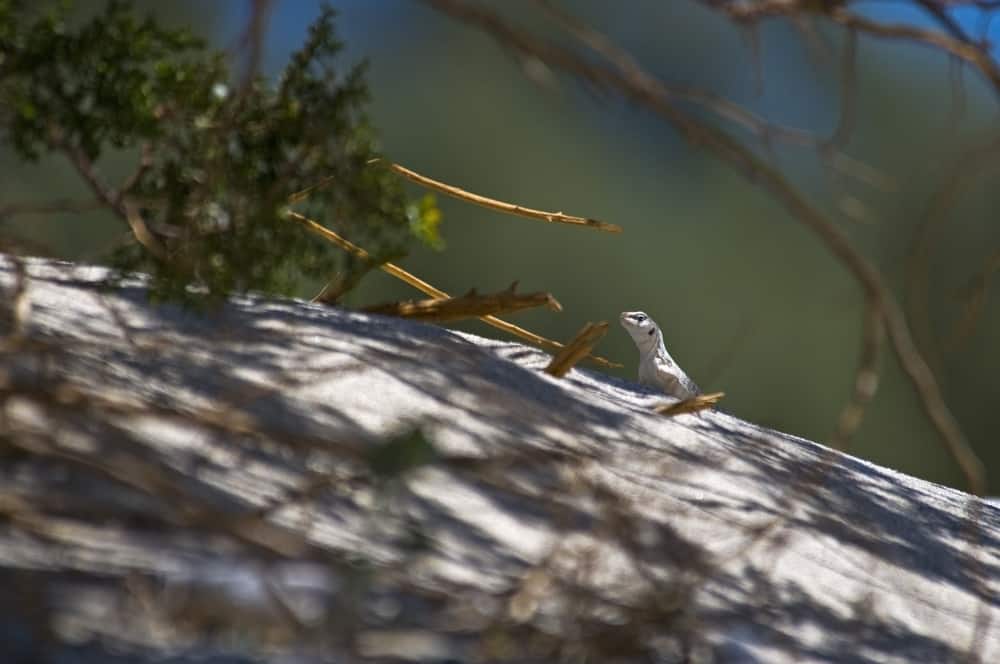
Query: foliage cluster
(217, 158)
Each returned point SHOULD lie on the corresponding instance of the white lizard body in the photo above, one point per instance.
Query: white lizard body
(656, 367)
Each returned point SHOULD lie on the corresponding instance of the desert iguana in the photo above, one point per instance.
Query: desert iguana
(656, 367)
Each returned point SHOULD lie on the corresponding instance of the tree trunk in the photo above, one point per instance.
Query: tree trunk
(275, 479)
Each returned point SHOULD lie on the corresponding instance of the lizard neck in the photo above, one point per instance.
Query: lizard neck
(652, 347)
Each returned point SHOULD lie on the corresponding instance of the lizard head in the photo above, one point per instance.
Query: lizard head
(640, 326)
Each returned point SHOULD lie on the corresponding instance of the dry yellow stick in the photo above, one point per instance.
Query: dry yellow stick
(692, 405)
(300, 195)
(509, 208)
(470, 305)
(461, 194)
(577, 349)
(425, 287)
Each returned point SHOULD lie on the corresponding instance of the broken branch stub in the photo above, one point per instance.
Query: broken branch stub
(470, 305)
(692, 405)
(577, 349)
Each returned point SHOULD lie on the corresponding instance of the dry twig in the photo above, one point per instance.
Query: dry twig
(304, 194)
(975, 301)
(577, 349)
(424, 287)
(470, 305)
(115, 199)
(692, 405)
(866, 378)
(509, 208)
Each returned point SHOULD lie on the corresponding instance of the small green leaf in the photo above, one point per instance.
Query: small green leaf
(425, 221)
(28, 110)
(400, 455)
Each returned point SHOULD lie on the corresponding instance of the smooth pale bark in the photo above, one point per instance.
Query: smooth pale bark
(217, 488)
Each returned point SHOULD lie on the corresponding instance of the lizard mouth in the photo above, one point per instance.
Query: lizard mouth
(627, 318)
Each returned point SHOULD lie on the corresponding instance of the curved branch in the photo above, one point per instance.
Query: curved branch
(936, 215)
(960, 47)
(765, 131)
(639, 86)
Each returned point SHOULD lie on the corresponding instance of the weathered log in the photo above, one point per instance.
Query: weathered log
(279, 479)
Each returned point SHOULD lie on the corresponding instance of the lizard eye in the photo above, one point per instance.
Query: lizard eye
(640, 318)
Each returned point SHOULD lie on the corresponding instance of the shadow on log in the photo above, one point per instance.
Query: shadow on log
(279, 480)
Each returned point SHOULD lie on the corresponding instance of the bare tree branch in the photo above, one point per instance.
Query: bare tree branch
(962, 48)
(960, 178)
(634, 83)
(829, 149)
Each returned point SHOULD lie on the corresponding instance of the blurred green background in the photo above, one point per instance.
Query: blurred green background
(750, 302)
